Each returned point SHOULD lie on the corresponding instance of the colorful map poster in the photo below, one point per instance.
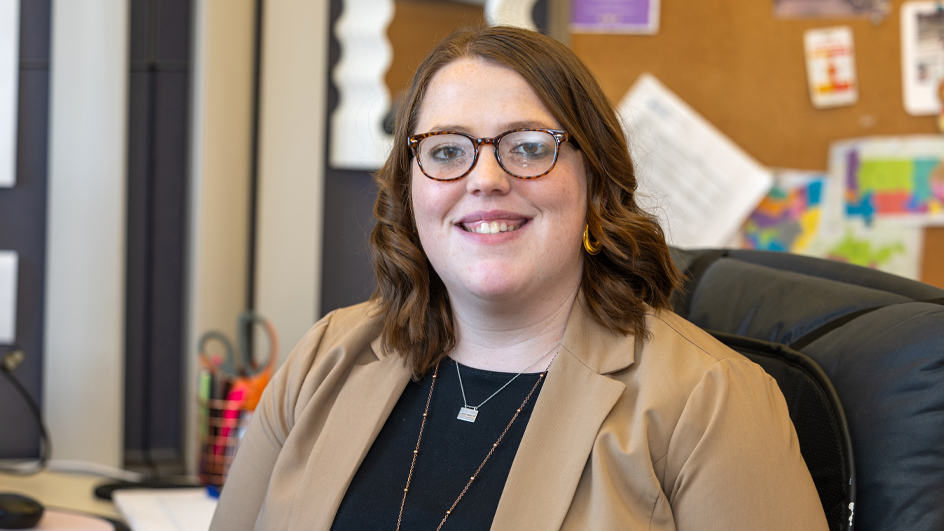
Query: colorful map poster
(788, 217)
(889, 247)
(880, 240)
(805, 213)
(900, 178)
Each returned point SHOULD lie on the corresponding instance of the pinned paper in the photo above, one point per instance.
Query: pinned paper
(615, 16)
(892, 178)
(922, 57)
(789, 217)
(699, 183)
(830, 67)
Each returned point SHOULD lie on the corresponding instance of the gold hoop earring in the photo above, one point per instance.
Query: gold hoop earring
(592, 247)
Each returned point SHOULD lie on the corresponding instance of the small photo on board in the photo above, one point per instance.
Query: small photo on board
(922, 49)
(830, 66)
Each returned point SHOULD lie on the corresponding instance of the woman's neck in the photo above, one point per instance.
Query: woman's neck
(492, 337)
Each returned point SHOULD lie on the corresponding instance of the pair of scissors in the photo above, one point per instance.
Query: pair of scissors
(237, 365)
(238, 362)
(240, 378)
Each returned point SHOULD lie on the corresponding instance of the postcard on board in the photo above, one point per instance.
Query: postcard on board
(830, 66)
(922, 61)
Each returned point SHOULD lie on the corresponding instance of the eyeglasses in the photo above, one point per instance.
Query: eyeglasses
(523, 153)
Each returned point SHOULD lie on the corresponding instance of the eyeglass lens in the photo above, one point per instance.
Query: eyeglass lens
(521, 153)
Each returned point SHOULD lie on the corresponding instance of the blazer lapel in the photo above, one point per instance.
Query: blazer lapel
(555, 447)
(363, 405)
(574, 402)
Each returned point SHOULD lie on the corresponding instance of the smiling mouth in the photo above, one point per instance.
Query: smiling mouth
(493, 227)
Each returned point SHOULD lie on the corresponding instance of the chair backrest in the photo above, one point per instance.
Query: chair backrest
(885, 359)
(818, 418)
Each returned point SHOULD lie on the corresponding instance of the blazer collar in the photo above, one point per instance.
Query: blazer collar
(594, 345)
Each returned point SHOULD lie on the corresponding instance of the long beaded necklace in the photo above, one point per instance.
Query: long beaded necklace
(491, 450)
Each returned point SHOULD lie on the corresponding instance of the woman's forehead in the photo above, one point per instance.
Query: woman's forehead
(480, 97)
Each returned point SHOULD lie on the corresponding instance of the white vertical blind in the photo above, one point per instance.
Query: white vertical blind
(9, 70)
(85, 265)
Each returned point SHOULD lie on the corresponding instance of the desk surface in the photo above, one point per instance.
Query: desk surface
(61, 490)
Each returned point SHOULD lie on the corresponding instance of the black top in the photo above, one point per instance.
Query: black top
(450, 452)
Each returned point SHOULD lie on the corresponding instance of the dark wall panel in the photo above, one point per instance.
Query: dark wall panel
(23, 227)
(157, 182)
(346, 275)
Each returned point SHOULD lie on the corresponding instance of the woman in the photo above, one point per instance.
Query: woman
(518, 367)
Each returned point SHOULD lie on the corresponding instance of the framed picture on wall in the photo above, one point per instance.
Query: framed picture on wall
(9, 68)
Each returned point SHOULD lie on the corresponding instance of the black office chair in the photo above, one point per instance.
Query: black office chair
(879, 340)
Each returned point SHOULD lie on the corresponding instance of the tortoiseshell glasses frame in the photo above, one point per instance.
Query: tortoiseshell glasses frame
(558, 135)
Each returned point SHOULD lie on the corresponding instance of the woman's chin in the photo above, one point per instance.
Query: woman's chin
(493, 286)
(496, 291)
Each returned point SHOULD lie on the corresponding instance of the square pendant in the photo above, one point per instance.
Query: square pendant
(467, 414)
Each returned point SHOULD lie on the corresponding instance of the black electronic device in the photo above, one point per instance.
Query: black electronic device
(10, 360)
(19, 512)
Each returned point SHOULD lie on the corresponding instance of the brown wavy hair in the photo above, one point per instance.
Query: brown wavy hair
(633, 271)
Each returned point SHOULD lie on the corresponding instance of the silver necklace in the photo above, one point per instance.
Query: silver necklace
(469, 413)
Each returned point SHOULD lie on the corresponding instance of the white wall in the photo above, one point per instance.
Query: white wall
(85, 271)
(218, 214)
(290, 180)
(291, 167)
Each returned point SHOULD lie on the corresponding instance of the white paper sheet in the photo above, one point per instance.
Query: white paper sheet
(9, 68)
(700, 184)
(8, 267)
(166, 509)
(63, 520)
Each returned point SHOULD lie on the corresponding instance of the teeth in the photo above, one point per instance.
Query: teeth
(492, 228)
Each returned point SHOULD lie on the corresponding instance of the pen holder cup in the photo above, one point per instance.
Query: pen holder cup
(222, 424)
(230, 386)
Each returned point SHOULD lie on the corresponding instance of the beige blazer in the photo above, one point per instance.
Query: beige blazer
(674, 433)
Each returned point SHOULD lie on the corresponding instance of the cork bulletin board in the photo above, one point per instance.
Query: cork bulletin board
(745, 72)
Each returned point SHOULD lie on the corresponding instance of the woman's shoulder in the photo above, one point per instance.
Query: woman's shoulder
(680, 363)
(345, 325)
(685, 349)
(340, 338)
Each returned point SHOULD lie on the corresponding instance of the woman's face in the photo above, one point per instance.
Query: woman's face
(539, 253)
